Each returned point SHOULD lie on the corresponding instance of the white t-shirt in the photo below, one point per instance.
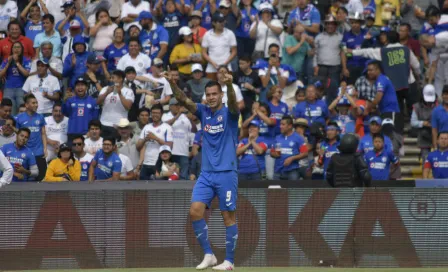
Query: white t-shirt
(162, 90)
(56, 131)
(104, 37)
(54, 8)
(283, 73)
(128, 8)
(86, 158)
(126, 165)
(7, 11)
(239, 96)
(354, 6)
(113, 109)
(262, 43)
(38, 86)
(55, 63)
(218, 46)
(162, 131)
(181, 133)
(141, 63)
(92, 147)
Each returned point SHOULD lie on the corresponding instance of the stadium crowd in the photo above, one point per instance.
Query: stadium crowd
(85, 94)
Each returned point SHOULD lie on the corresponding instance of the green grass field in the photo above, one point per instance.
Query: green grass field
(263, 269)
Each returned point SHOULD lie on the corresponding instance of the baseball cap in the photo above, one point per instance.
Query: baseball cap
(301, 122)
(173, 101)
(64, 147)
(375, 119)
(123, 123)
(75, 24)
(387, 121)
(254, 123)
(81, 80)
(196, 67)
(92, 59)
(266, 7)
(429, 93)
(68, 4)
(157, 62)
(385, 29)
(318, 84)
(144, 15)
(130, 69)
(185, 30)
(218, 17)
(165, 148)
(196, 13)
(224, 3)
(42, 61)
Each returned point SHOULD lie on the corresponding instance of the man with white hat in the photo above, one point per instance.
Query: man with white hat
(127, 144)
(196, 85)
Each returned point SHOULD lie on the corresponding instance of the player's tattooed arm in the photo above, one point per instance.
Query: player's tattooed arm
(231, 96)
(180, 96)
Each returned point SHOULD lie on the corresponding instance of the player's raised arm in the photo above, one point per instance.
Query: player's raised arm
(231, 96)
(180, 95)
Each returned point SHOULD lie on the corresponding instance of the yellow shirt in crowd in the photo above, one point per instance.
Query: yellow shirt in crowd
(379, 10)
(57, 169)
(180, 51)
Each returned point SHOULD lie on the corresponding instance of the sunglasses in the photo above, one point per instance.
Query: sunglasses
(77, 144)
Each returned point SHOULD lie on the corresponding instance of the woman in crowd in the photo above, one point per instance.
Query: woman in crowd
(196, 28)
(186, 53)
(245, 44)
(166, 168)
(65, 167)
(103, 31)
(15, 69)
(113, 53)
(278, 108)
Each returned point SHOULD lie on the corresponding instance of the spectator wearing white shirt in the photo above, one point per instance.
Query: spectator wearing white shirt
(55, 66)
(8, 12)
(265, 31)
(131, 10)
(7, 134)
(222, 71)
(56, 127)
(102, 30)
(55, 8)
(181, 125)
(116, 101)
(353, 6)
(141, 62)
(94, 142)
(218, 46)
(127, 144)
(45, 88)
(153, 136)
(127, 170)
(82, 156)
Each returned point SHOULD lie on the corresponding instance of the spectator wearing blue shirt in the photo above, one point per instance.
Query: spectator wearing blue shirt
(37, 142)
(379, 159)
(439, 118)
(278, 108)
(329, 146)
(113, 53)
(289, 149)
(204, 7)
(307, 15)
(251, 152)
(15, 69)
(80, 109)
(75, 64)
(437, 161)
(49, 34)
(366, 143)
(70, 14)
(312, 109)
(153, 37)
(106, 165)
(21, 157)
(33, 20)
(245, 45)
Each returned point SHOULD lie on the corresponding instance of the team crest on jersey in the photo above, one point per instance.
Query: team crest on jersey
(291, 144)
(8, 10)
(73, 105)
(383, 159)
(372, 165)
(207, 127)
(284, 110)
(318, 108)
(155, 36)
(140, 64)
(124, 51)
(109, 164)
(23, 155)
(84, 166)
(219, 118)
(158, 131)
(37, 122)
(89, 106)
(112, 52)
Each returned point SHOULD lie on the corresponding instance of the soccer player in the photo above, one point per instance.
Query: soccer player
(437, 161)
(219, 166)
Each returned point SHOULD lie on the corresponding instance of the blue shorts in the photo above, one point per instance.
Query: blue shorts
(222, 184)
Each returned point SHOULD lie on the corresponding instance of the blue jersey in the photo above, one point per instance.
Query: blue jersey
(313, 112)
(32, 29)
(250, 162)
(80, 112)
(85, 165)
(206, 14)
(243, 29)
(106, 166)
(23, 156)
(354, 41)
(35, 123)
(330, 150)
(389, 101)
(151, 40)
(438, 162)
(346, 123)
(172, 22)
(290, 146)
(379, 163)
(308, 16)
(67, 25)
(198, 138)
(219, 140)
(113, 54)
(366, 144)
(439, 119)
(267, 132)
(277, 113)
(15, 79)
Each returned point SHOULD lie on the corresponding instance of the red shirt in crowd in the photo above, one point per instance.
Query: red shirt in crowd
(6, 44)
(414, 46)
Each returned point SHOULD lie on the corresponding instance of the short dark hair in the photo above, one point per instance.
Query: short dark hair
(273, 45)
(174, 67)
(343, 9)
(441, 132)
(157, 107)
(48, 17)
(57, 104)
(119, 74)
(378, 135)
(432, 11)
(266, 106)
(393, 37)
(288, 119)
(333, 123)
(246, 58)
(14, 22)
(6, 102)
(211, 84)
(408, 26)
(22, 105)
(376, 63)
(80, 137)
(134, 39)
(110, 139)
(9, 117)
(27, 97)
(142, 110)
(95, 123)
(27, 130)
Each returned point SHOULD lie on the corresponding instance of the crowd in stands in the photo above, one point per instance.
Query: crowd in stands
(85, 95)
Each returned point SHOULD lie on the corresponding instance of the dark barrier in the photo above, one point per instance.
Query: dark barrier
(116, 225)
